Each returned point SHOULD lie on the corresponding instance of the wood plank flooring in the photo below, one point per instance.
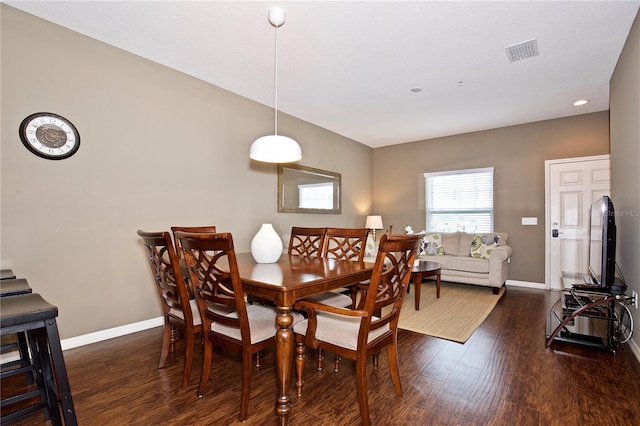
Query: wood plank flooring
(503, 375)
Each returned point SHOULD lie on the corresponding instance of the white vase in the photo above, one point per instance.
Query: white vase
(266, 246)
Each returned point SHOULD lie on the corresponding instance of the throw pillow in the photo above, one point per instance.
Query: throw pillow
(482, 245)
(432, 245)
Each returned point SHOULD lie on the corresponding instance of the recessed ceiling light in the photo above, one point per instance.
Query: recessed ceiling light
(416, 89)
(581, 102)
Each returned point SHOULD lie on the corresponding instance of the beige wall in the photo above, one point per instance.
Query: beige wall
(158, 148)
(518, 154)
(625, 158)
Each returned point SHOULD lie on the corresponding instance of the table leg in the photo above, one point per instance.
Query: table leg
(284, 357)
(438, 286)
(417, 283)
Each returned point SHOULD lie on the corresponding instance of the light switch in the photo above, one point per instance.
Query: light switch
(529, 220)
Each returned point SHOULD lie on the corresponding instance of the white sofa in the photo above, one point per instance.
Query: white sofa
(487, 264)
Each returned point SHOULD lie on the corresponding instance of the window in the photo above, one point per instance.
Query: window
(460, 200)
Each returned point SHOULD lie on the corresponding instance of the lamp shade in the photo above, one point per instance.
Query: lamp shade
(275, 149)
(374, 222)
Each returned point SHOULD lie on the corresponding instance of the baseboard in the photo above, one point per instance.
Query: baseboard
(528, 284)
(110, 333)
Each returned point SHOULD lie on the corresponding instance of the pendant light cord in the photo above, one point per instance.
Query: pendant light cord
(276, 81)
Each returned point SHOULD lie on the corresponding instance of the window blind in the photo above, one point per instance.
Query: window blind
(460, 200)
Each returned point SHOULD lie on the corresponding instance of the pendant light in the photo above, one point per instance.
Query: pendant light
(275, 148)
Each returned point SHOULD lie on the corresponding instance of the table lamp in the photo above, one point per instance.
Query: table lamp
(374, 222)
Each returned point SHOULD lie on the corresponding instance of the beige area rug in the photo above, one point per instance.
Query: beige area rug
(454, 316)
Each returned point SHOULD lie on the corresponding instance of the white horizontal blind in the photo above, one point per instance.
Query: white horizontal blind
(460, 200)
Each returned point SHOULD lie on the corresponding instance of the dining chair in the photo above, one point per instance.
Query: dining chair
(212, 265)
(180, 311)
(306, 241)
(343, 244)
(360, 333)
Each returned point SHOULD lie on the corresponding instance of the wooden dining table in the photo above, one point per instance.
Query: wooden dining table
(290, 279)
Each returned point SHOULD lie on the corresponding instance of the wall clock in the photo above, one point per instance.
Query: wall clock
(49, 136)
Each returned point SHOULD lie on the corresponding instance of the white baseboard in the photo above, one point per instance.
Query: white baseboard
(110, 333)
(528, 284)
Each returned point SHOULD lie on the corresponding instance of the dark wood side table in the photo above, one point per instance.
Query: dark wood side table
(425, 269)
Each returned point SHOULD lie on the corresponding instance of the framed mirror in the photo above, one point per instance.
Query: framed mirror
(303, 189)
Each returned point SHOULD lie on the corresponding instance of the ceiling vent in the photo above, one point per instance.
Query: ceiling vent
(524, 50)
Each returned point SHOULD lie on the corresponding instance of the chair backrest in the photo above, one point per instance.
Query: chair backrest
(389, 281)
(166, 272)
(195, 229)
(345, 243)
(213, 269)
(306, 241)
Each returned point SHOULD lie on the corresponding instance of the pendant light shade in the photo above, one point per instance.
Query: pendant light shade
(275, 148)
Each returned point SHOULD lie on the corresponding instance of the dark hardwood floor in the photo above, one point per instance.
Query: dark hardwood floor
(503, 375)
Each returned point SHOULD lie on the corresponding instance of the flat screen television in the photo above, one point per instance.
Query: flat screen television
(602, 243)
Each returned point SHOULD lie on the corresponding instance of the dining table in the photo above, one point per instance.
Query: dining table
(285, 282)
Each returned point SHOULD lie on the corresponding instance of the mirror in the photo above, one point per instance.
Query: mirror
(303, 189)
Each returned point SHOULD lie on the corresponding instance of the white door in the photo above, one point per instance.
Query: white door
(572, 184)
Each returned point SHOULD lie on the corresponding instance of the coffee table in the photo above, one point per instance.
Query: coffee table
(425, 269)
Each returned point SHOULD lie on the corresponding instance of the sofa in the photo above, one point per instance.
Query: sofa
(480, 259)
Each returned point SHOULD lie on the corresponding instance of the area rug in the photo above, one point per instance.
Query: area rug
(454, 316)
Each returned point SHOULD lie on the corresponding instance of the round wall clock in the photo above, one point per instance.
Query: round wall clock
(49, 136)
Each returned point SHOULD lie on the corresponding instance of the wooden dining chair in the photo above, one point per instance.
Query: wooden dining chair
(306, 241)
(180, 311)
(212, 265)
(360, 333)
(342, 244)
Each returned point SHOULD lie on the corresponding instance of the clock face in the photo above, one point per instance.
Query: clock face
(49, 136)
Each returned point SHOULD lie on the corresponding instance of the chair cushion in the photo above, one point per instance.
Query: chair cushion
(333, 298)
(219, 308)
(262, 323)
(195, 312)
(339, 330)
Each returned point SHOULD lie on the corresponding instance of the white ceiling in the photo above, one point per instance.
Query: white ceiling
(349, 66)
